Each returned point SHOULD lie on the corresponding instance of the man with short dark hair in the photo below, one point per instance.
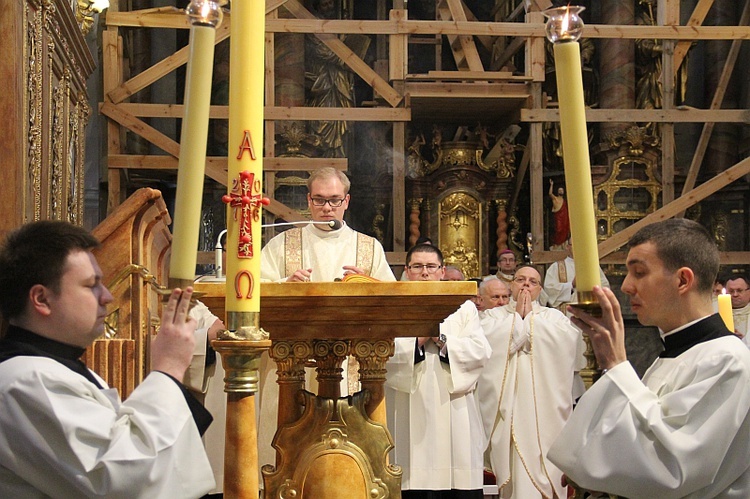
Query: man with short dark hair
(63, 432)
(684, 429)
(432, 413)
(506, 266)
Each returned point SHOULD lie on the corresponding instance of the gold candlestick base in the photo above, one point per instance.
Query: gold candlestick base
(241, 361)
(588, 302)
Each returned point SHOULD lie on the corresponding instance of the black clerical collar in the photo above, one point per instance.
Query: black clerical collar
(710, 328)
(22, 342)
(52, 347)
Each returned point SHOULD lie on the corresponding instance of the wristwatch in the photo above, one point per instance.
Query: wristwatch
(440, 342)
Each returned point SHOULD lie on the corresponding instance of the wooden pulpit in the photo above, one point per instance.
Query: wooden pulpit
(331, 446)
(134, 252)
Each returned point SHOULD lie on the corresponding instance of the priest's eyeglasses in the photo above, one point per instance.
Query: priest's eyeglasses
(334, 202)
(431, 268)
(524, 280)
(736, 291)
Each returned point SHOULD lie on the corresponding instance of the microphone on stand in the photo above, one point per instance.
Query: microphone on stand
(333, 224)
(218, 254)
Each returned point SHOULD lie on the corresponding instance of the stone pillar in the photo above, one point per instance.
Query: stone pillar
(617, 64)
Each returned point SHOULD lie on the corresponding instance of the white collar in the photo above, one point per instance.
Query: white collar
(322, 233)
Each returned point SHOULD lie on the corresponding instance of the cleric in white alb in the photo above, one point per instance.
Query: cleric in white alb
(63, 432)
(684, 430)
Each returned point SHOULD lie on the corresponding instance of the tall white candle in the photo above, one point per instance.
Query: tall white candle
(725, 309)
(205, 16)
(563, 29)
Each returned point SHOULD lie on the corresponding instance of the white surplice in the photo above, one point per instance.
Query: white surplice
(559, 293)
(684, 431)
(525, 395)
(433, 415)
(741, 317)
(62, 436)
(325, 252)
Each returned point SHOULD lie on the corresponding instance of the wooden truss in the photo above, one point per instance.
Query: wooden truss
(401, 95)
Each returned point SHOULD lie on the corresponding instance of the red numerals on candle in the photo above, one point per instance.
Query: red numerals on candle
(246, 200)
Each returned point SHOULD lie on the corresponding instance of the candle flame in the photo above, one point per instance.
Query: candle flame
(565, 22)
(206, 10)
(723, 291)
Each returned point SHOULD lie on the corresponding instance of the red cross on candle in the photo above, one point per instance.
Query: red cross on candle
(245, 199)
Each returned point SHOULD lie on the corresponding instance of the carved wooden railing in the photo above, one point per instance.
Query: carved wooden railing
(135, 243)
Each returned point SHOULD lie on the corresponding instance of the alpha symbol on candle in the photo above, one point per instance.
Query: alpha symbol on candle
(246, 145)
(246, 199)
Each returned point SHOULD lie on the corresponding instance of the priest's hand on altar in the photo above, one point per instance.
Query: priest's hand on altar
(172, 348)
(301, 275)
(607, 333)
(351, 269)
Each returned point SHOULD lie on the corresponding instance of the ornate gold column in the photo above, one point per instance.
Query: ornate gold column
(372, 356)
(329, 355)
(414, 220)
(290, 358)
(502, 226)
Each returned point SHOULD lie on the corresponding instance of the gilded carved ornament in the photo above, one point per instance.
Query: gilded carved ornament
(56, 166)
(33, 53)
(460, 222)
(461, 153)
(333, 431)
(85, 11)
(636, 137)
(631, 191)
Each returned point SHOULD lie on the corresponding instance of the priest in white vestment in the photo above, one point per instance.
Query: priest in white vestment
(315, 253)
(491, 292)
(432, 412)
(684, 429)
(738, 286)
(525, 391)
(506, 266)
(63, 432)
(560, 281)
